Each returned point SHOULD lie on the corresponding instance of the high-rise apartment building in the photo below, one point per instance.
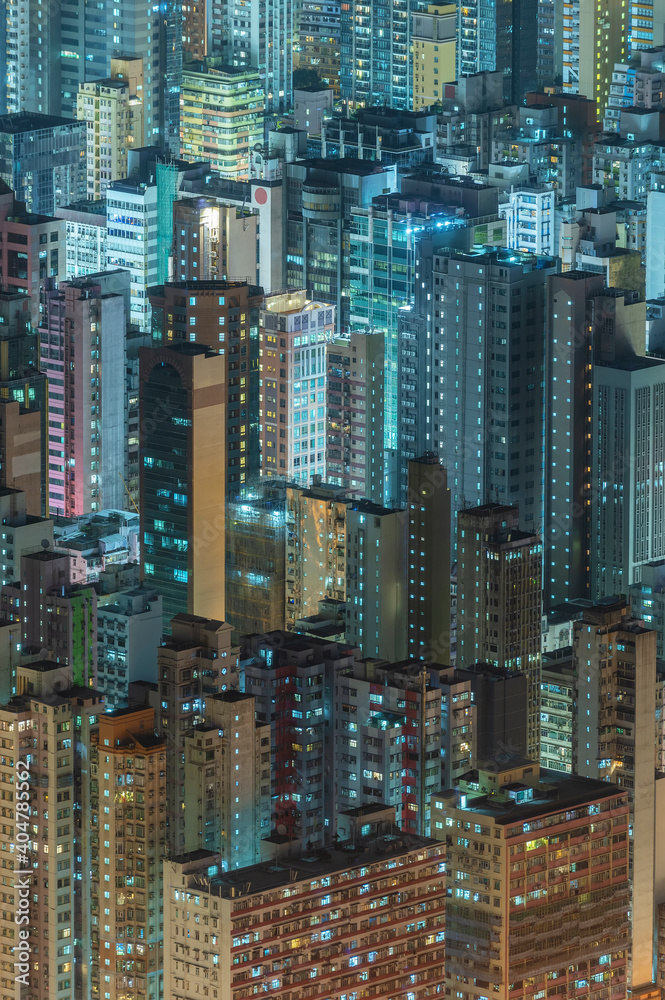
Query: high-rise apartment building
(213, 240)
(227, 781)
(539, 831)
(127, 816)
(129, 631)
(499, 600)
(104, 105)
(434, 61)
(376, 53)
(182, 476)
(221, 118)
(489, 353)
(196, 890)
(377, 597)
(23, 416)
(131, 241)
(293, 336)
(83, 356)
(628, 443)
(20, 532)
(32, 249)
(261, 35)
(85, 237)
(198, 660)
(292, 679)
(355, 409)
(615, 670)
(429, 566)
(318, 46)
(595, 37)
(43, 159)
(223, 316)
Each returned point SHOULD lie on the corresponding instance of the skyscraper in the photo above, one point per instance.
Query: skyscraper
(428, 550)
(595, 37)
(183, 476)
(499, 600)
(376, 52)
(42, 158)
(261, 35)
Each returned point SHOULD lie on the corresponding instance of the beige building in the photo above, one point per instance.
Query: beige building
(534, 904)
(433, 36)
(227, 781)
(104, 105)
(594, 39)
(293, 334)
(128, 820)
(130, 69)
(196, 662)
(315, 549)
(615, 667)
(363, 917)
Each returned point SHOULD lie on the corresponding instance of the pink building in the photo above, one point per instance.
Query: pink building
(83, 349)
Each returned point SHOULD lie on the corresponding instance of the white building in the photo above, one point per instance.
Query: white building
(260, 33)
(131, 214)
(655, 259)
(529, 215)
(86, 237)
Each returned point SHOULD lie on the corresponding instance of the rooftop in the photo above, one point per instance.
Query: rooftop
(28, 121)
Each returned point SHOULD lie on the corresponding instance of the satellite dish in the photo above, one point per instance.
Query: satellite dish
(281, 829)
(43, 653)
(45, 544)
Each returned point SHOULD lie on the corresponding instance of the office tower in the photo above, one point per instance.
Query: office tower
(40, 252)
(376, 580)
(594, 39)
(85, 237)
(42, 70)
(499, 602)
(261, 36)
(318, 47)
(43, 159)
(376, 53)
(355, 409)
(429, 566)
(292, 679)
(293, 335)
(129, 631)
(318, 198)
(22, 404)
(83, 357)
(182, 476)
(128, 772)
(227, 781)
(489, 346)
(57, 616)
(434, 56)
(224, 898)
(557, 694)
(256, 559)
(223, 316)
(195, 662)
(104, 106)
(627, 444)
(507, 937)
(315, 548)
(21, 532)
(517, 47)
(221, 119)
(615, 669)
(214, 240)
